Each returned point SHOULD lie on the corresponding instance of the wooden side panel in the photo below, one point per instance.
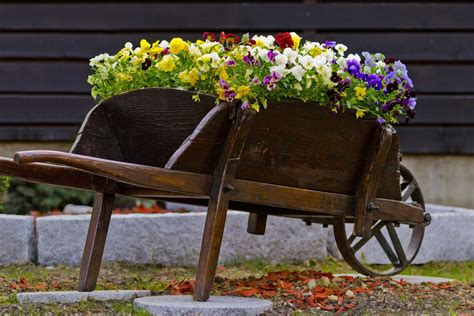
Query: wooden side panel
(144, 126)
(306, 146)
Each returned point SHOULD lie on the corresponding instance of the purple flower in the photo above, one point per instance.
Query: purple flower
(411, 103)
(368, 59)
(335, 77)
(385, 107)
(270, 80)
(374, 81)
(229, 95)
(380, 121)
(250, 60)
(353, 67)
(328, 44)
(230, 62)
(271, 55)
(255, 80)
(392, 86)
(343, 84)
(223, 84)
(245, 105)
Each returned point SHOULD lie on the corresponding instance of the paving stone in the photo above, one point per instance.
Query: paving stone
(74, 296)
(414, 279)
(175, 239)
(450, 237)
(16, 239)
(169, 305)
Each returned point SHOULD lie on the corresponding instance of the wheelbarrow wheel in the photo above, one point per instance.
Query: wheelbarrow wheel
(385, 237)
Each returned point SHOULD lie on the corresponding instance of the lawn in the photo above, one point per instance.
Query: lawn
(291, 292)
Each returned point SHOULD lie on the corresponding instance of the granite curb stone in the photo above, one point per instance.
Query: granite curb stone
(75, 296)
(16, 239)
(175, 239)
(169, 305)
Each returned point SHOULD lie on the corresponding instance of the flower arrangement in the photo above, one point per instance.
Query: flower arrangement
(254, 70)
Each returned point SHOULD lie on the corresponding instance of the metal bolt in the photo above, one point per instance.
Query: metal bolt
(427, 218)
(371, 207)
(227, 188)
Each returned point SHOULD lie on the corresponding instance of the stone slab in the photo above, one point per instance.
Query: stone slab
(414, 279)
(16, 239)
(175, 239)
(449, 237)
(74, 296)
(169, 305)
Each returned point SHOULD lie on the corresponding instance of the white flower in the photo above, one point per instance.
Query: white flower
(281, 59)
(98, 59)
(380, 64)
(194, 50)
(280, 70)
(164, 44)
(262, 53)
(128, 45)
(341, 62)
(328, 54)
(341, 48)
(298, 72)
(291, 54)
(265, 41)
(137, 50)
(319, 62)
(306, 61)
(353, 56)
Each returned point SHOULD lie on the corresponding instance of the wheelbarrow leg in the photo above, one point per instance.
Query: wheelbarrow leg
(95, 243)
(219, 202)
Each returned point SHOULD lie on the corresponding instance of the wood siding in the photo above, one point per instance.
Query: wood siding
(45, 47)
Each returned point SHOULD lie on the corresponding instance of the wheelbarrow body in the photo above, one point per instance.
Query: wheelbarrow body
(293, 159)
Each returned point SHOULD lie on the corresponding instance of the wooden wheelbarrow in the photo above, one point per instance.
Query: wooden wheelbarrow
(294, 159)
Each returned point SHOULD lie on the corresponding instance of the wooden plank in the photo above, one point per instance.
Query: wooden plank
(375, 163)
(416, 46)
(444, 109)
(71, 109)
(237, 16)
(436, 139)
(71, 76)
(38, 133)
(44, 109)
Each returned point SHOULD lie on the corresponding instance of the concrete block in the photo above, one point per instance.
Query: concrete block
(169, 305)
(75, 296)
(16, 239)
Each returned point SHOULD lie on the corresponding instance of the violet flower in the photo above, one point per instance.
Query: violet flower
(245, 105)
(353, 67)
(380, 121)
(223, 84)
(330, 44)
(271, 55)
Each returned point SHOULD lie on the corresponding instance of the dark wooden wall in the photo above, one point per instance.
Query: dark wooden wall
(45, 47)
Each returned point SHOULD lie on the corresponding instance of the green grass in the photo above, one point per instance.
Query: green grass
(156, 278)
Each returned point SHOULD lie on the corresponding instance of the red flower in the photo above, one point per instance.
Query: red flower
(228, 39)
(209, 36)
(284, 40)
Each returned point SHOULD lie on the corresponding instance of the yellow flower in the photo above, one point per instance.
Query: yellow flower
(177, 44)
(223, 74)
(220, 93)
(155, 49)
(242, 91)
(144, 45)
(360, 92)
(296, 40)
(166, 64)
(193, 76)
(360, 113)
(315, 51)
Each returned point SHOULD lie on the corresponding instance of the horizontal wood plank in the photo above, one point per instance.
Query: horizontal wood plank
(413, 139)
(44, 109)
(71, 109)
(70, 77)
(437, 140)
(236, 16)
(424, 46)
(38, 133)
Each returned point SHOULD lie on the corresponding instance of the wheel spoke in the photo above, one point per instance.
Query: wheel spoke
(409, 191)
(386, 248)
(351, 239)
(396, 243)
(376, 228)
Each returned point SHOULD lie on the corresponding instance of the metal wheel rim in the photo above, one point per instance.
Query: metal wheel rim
(408, 184)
